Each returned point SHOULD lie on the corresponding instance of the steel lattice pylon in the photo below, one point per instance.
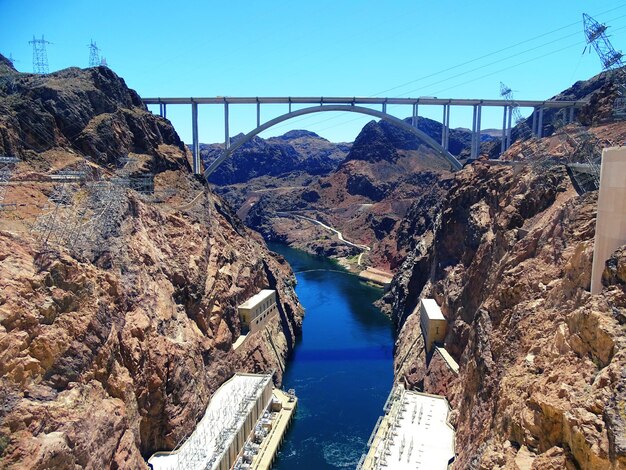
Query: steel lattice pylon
(7, 165)
(611, 59)
(94, 54)
(596, 36)
(40, 56)
(520, 122)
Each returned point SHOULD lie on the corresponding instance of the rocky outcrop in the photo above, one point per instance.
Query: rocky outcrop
(380, 140)
(508, 258)
(91, 112)
(154, 341)
(293, 153)
(366, 195)
(615, 272)
(373, 144)
(111, 354)
(600, 91)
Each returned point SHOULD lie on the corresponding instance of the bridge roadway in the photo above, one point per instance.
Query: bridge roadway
(363, 105)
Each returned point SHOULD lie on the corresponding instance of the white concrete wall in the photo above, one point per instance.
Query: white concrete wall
(611, 219)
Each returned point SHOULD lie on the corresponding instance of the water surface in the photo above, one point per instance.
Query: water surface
(341, 369)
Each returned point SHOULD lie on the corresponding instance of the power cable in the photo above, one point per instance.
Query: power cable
(500, 50)
(462, 73)
(486, 75)
(468, 62)
(454, 86)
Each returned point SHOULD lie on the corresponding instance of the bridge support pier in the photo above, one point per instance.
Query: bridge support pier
(195, 149)
(478, 128)
(473, 144)
(571, 115)
(226, 130)
(445, 131)
(475, 148)
(163, 110)
(540, 124)
(508, 126)
(503, 140)
(414, 118)
(258, 114)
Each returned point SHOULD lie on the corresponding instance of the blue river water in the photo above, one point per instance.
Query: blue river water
(341, 368)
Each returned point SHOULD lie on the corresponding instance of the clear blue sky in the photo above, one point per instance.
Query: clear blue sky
(318, 48)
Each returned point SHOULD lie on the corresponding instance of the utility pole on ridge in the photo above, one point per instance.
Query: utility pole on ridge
(40, 56)
(94, 54)
(610, 58)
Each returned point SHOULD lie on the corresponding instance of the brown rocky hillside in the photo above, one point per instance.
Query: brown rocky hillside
(506, 251)
(110, 346)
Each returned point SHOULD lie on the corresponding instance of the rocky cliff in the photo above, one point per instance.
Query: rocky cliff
(506, 251)
(365, 197)
(287, 156)
(111, 348)
(364, 194)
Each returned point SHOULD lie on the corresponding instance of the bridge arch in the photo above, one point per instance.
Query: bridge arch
(456, 165)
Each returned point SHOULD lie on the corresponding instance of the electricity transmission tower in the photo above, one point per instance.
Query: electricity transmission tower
(40, 56)
(86, 214)
(507, 94)
(595, 33)
(94, 54)
(7, 165)
(610, 58)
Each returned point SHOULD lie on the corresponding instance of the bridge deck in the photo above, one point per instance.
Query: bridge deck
(428, 100)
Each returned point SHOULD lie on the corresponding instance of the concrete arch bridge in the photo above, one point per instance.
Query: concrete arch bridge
(362, 106)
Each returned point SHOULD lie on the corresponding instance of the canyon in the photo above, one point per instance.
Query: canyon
(366, 193)
(506, 250)
(111, 348)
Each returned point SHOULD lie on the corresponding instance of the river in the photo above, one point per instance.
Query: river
(341, 369)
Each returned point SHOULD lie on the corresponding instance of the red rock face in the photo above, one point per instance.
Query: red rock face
(110, 354)
(541, 360)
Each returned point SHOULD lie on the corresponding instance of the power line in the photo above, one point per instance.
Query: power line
(495, 52)
(489, 74)
(469, 62)
(459, 74)
(578, 43)
(469, 71)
